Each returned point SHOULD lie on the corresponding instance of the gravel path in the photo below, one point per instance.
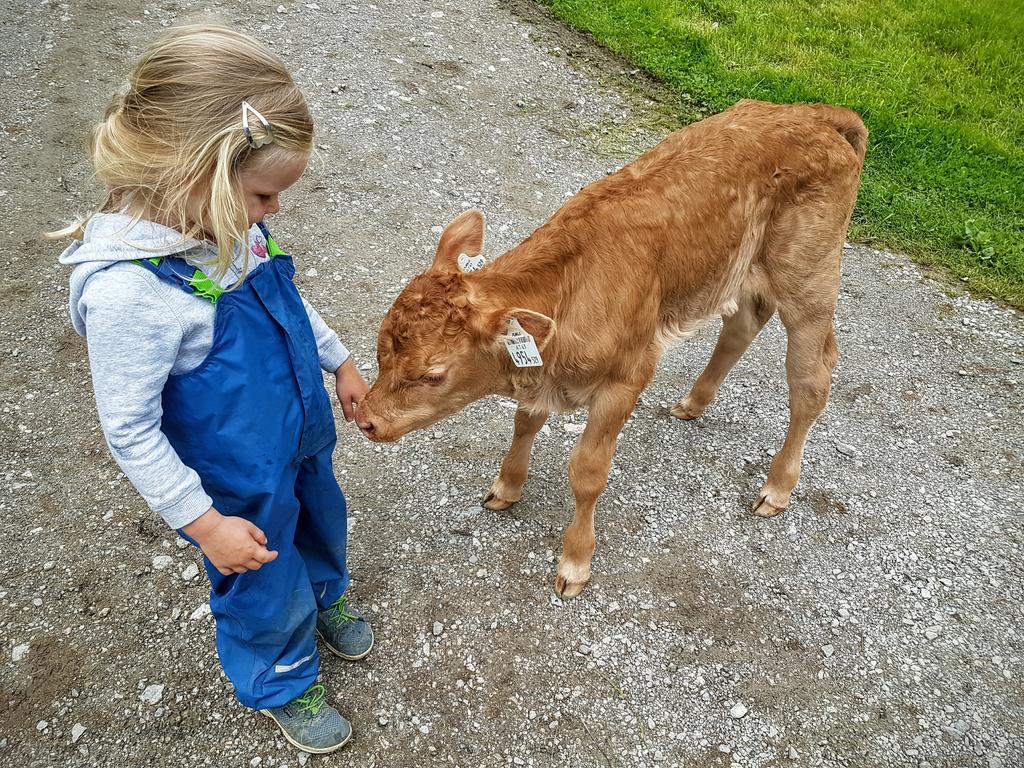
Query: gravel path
(875, 623)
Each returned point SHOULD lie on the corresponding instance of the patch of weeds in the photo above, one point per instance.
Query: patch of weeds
(993, 250)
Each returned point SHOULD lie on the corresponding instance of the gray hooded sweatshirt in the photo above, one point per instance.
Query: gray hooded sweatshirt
(140, 330)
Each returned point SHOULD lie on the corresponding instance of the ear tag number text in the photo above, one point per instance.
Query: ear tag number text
(521, 346)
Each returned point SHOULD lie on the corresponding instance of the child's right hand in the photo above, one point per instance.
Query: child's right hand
(232, 544)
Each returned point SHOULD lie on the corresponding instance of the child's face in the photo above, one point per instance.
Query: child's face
(266, 178)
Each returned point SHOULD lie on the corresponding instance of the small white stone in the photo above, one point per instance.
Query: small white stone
(152, 694)
(482, 573)
(437, 629)
(162, 561)
(957, 729)
(200, 613)
(42, 725)
(426, 649)
(190, 572)
(311, 272)
(76, 732)
(181, 543)
(738, 710)
(827, 650)
(19, 652)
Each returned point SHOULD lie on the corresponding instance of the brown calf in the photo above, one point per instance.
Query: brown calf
(740, 215)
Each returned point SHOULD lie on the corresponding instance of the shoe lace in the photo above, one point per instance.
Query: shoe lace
(339, 611)
(311, 701)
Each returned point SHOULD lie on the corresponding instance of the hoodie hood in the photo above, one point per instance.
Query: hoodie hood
(114, 237)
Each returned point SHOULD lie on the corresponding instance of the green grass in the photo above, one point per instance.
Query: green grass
(939, 85)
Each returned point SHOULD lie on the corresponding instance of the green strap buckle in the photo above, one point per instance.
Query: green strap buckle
(200, 283)
(204, 287)
(273, 249)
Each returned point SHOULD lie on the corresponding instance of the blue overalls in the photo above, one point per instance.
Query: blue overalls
(255, 422)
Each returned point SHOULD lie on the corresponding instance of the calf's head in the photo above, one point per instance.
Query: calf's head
(440, 346)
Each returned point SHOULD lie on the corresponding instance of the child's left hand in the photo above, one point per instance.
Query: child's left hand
(350, 387)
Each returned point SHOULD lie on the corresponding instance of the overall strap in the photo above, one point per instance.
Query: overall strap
(273, 249)
(193, 280)
(188, 278)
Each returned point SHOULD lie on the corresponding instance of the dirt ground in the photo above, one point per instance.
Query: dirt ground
(875, 623)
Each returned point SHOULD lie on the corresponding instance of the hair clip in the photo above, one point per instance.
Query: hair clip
(253, 142)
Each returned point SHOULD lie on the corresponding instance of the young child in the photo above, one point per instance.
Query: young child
(206, 361)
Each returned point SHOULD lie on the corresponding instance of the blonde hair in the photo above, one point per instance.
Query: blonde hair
(171, 146)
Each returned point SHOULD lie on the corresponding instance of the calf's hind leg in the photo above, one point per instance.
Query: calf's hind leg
(738, 331)
(507, 488)
(811, 354)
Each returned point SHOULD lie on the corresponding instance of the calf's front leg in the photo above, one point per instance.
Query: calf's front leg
(507, 488)
(588, 475)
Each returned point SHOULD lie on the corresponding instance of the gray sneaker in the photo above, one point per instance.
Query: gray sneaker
(344, 630)
(310, 723)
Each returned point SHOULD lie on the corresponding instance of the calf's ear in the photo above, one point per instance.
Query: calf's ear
(541, 327)
(465, 234)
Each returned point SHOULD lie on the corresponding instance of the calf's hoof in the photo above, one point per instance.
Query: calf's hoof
(494, 502)
(686, 409)
(769, 503)
(571, 579)
(502, 495)
(568, 589)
